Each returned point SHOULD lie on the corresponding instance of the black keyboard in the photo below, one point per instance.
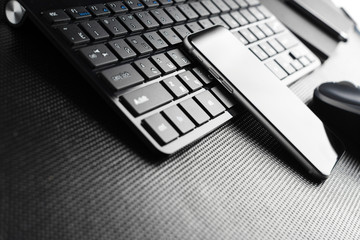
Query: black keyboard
(131, 52)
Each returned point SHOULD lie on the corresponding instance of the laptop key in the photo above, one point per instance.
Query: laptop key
(139, 44)
(147, 98)
(194, 27)
(78, 13)
(205, 23)
(122, 49)
(175, 14)
(232, 4)
(113, 26)
(210, 6)
(94, 30)
(170, 36)
(194, 111)
(204, 76)
(176, 88)
(99, 10)
(117, 7)
(122, 76)
(161, 129)
(162, 17)
(182, 31)
(249, 17)
(188, 11)
(229, 20)
(199, 9)
(164, 63)
(98, 55)
(210, 103)
(190, 80)
(276, 69)
(147, 20)
(155, 40)
(178, 58)
(221, 5)
(74, 35)
(178, 118)
(134, 4)
(147, 68)
(131, 23)
(239, 18)
(151, 3)
(56, 16)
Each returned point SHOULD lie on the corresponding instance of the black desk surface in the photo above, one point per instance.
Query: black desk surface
(71, 169)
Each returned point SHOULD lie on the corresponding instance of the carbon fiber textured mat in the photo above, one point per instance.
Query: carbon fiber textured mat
(71, 169)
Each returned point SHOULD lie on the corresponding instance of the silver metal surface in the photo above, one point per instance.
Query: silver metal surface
(14, 12)
(289, 119)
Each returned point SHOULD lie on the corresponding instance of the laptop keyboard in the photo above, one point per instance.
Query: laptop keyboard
(132, 53)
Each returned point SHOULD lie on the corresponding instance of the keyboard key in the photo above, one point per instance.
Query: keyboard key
(166, 2)
(229, 20)
(161, 129)
(242, 3)
(117, 7)
(99, 10)
(147, 98)
(56, 16)
(210, 6)
(249, 17)
(162, 17)
(264, 11)
(259, 52)
(182, 31)
(178, 58)
(239, 18)
(276, 45)
(248, 35)
(151, 3)
(268, 49)
(297, 65)
(78, 13)
(122, 76)
(147, 68)
(276, 69)
(188, 11)
(221, 5)
(147, 20)
(74, 35)
(224, 96)
(94, 30)
(98, 55)
(257, 32)
(190, 80)
(170, 36)
(204, 76)
(113, 26)
(134, 4)
(304, 61)
(200, 9)
(284, 61)
(205, 23)
(194, 27)
(177, 89)
(232, 4)
(194, 111)
(131, 23)
(155, 40)
(258, 15)
(139, 44)
(287, 41)
(253, 2)
(164, 63)
(265, 29)
(275, 26)
(175, 14)
(122, 49)
(178, 118)
(298, 52)
(218, 21)
(241, 38)
(210, 103)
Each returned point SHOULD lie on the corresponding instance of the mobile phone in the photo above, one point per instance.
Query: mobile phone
(255, 87)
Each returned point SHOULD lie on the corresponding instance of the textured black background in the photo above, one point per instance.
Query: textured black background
(71, 169)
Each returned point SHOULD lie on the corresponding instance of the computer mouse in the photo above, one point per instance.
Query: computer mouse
(337, 104)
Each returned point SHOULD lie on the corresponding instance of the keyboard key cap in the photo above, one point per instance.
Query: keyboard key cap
(178, 118)
(224, 96)
(99, 10)
(265, 29)
(178, 58)
(259, 52)
(239, 18)
(268, 49)
(221, 5)
(232, 4)
(164, 63)
(297, 65)
(98, 55)
(194, 111)
(194, 27)
(78, 13)
(147, 98)
(200, 9)
(190, 80)
(131, 23)
(188, 11)
(182, 31)
(139, 44)
(94, 30)
(147, 68)
(166, 2)
(275, 26)
(74, 35)
(276, 69)
(218, 21)
(122, 76)
(276, 45)
(162, 17)
(175, 14)
(117, 7)
(229, 20)
(284, 62)
(253, 2)
(155, 40)
(204, 76)
(304, 61)
(210, 6)
(170, 36)
(177, 89)
(287, 41)
(113, 26)
(241, 38)
(257, 32)
(205, 23)
(147, 20)
(249, 17)
(210, 103)
(258, 15)
(161, 129)
(134, 4)
(122, 49)
(264, 11)
(151, 3)
(242, 3)
(56, 16)
(248, 35)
